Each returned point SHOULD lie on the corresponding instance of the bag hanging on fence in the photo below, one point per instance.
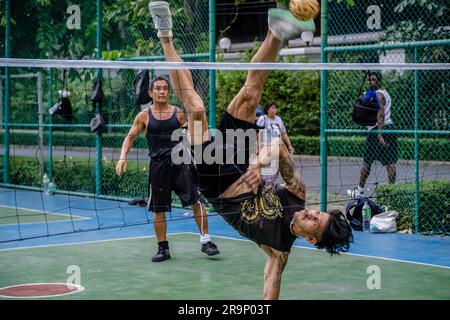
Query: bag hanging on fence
(353, 211)
(365, 111)
(97, 92)
(384, 222)
(97, 123)
(141, 85)
(63, 107)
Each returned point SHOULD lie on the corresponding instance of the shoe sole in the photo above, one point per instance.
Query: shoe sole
(211, 254)
(159, 4)
(167, 258)
(286, 16)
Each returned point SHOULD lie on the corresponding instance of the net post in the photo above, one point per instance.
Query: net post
(323, 106)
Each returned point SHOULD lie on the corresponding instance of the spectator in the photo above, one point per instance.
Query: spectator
(274, 128)
(378, 146)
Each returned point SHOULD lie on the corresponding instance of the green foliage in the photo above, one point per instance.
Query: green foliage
(78, 175)
(24, 172)
(434, 205)
(296, 93)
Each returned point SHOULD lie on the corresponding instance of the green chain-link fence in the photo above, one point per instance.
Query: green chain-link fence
(66, 149)
(394, 32)
(353, 31)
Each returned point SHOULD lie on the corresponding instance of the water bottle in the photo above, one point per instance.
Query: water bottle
(51, 188)
(366, 215)
(45, 183)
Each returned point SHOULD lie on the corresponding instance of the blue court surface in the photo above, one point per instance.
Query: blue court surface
(99, 219)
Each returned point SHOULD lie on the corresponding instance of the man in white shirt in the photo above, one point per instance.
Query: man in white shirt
(378, 146)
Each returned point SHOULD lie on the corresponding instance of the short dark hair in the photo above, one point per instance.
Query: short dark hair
(158, 78)
(337, 235)
(268, 105)
(377, 75)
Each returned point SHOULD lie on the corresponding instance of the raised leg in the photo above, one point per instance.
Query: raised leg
(181, 80)
(244, 104)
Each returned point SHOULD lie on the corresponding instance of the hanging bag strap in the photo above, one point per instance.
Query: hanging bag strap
(362, 84)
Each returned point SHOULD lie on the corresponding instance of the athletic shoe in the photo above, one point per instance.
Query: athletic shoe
(161, 17)
(285, 26)
(210, 248)
(355, 193)
(161, 255)
(138, 201)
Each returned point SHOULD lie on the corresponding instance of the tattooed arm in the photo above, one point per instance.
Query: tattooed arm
(290, 174)
(272, 272)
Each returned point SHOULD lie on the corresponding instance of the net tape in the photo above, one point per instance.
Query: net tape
(160, 65)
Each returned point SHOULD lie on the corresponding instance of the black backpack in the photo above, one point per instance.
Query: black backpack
(365, 112)
(141, 85)
(353, 211)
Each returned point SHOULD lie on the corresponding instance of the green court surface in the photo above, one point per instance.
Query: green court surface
(122, 269)
(9, 215)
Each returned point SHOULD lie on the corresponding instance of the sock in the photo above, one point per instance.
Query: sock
(361, 189)
(163, 244)
(205, 238)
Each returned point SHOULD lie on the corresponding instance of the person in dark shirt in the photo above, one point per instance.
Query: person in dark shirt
(158, 122)
(271, 215)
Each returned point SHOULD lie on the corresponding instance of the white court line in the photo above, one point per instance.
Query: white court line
(78, 218)
(222, 237)
(347, 253)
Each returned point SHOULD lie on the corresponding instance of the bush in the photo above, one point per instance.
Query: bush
(432, 149)
(434, 205)
(78, 175)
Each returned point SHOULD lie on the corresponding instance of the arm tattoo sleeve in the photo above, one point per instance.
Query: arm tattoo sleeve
(291, 176)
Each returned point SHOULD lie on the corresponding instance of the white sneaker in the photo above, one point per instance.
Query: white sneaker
(285, 26)
(161, 17)
(355, 193)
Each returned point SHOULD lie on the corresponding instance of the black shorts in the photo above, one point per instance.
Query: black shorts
(374, 150)
(165, 177)
(215, 178)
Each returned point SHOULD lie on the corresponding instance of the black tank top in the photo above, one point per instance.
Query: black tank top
(159, 134)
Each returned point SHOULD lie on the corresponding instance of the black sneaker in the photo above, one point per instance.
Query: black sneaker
(210, 249)
(161, 255)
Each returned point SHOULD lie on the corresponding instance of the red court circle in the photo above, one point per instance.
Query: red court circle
(39, 290)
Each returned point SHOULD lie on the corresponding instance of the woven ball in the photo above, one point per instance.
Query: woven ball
(304, 9)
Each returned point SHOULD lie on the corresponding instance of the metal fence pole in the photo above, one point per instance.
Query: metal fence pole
(41, 122)
(212, 58)
(7, 97)
(416, 142)
(50, 129)
(323, 107)
(1, 104)
(98, 107)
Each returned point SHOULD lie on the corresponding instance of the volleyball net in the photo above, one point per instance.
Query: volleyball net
(55, 151)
